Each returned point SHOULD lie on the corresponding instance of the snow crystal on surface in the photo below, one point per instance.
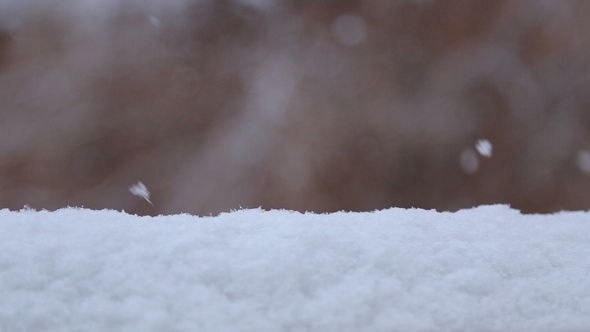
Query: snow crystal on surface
(484, 269)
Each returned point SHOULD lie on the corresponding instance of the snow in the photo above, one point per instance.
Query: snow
(484, 147)
(469, 161)
(485, 269)
(349, 29)
(140, 190)
(583, 161)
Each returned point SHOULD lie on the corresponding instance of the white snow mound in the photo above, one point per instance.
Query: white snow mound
(483, 269)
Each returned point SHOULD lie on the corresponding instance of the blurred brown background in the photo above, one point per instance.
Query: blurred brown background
(317, 105)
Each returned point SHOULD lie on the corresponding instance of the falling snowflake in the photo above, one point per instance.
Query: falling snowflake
(583, 161)
(484, 147)
(140, 190)
(468, 161)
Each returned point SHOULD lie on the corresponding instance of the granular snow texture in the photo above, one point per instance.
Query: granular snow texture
(484, 269)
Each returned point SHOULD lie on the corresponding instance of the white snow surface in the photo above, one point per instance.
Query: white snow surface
(484, 269)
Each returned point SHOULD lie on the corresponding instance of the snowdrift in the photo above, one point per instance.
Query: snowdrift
(484, 269)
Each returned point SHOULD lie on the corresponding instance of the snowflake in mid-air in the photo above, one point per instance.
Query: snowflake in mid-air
(139, 189)
(484, 147)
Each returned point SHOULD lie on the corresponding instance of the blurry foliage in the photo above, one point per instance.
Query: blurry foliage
(302, 104)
